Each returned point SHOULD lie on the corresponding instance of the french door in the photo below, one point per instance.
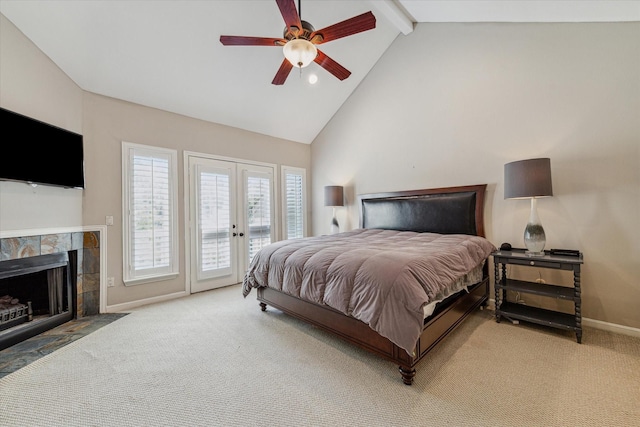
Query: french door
(232, 216)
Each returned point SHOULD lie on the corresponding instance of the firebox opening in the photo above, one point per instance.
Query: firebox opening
(34, 289)
(36, 294)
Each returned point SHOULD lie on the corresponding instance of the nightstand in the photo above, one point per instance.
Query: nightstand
(541, 316)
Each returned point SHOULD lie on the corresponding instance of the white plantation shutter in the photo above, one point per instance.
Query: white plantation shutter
(215, 223)
(151, 212)
(294, 206)
(149, 208)
(258, 193)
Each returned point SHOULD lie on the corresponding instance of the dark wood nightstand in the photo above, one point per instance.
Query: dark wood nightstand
(541, 316)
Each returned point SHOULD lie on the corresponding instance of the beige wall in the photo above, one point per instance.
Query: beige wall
(450, 104)
(108, 122)
(31, 84)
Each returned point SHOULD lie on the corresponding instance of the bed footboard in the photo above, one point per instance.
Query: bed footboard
(437, 327)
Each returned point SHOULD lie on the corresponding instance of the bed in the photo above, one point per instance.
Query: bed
(397, 285)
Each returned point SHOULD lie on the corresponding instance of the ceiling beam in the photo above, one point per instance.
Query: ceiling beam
(394, 14)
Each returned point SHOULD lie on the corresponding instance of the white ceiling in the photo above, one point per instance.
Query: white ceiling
(167, 54)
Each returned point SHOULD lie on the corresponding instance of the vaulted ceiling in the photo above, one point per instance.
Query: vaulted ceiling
(167, 54)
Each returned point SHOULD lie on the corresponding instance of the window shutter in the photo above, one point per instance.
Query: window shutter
(294, 187)
(215, 246)
(151, 212)
(258, 213)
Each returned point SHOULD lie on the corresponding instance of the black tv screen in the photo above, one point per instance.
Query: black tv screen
(39, 153)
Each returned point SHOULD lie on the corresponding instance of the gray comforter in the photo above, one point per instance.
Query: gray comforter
(381, 277)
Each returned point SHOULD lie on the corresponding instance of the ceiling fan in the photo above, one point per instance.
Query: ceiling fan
(299, 40)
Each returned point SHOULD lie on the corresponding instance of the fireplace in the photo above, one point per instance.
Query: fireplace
(36, 294)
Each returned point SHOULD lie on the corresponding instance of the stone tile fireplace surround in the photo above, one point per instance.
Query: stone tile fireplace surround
(87, 243)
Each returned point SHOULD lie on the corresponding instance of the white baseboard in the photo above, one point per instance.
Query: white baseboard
(593, 323)
(146, 301)
(612, 327)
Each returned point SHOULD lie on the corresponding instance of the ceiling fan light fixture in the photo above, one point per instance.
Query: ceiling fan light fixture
(300, 52)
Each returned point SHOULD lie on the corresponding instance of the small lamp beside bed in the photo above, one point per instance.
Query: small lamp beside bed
(334, 196)
(530, 179)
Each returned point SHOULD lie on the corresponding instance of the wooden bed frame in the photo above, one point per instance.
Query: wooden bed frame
(453, 210)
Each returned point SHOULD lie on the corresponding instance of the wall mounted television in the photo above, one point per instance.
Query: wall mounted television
(38, 153)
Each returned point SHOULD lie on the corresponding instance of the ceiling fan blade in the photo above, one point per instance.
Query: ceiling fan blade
(289, 13)
(331, 66)
(251, 41)
(354, 25)
(283, 72)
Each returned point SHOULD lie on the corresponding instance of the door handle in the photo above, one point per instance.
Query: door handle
(235, 234)
(241, 234)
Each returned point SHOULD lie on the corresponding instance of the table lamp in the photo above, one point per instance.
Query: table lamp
(334, 196)
(530, 179)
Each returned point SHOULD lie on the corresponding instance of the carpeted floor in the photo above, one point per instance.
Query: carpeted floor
(214, 359)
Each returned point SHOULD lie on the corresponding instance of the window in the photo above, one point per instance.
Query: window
(294, 202)
(149, 213)
(258, 194)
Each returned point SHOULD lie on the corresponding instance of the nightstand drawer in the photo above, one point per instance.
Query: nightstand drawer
(532, 262)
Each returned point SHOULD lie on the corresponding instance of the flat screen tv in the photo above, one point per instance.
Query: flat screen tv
(38, 153)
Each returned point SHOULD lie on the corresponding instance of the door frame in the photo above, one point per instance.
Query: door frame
(187, 202)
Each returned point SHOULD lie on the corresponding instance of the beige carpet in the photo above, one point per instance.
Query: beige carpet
(214, 359)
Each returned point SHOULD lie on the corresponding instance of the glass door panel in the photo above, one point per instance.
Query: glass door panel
(213, 260)
(258, 218)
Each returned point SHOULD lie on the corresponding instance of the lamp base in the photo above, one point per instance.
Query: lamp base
(534, 236)
(335, 227)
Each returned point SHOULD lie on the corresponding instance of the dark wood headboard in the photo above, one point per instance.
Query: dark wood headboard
(451, 210)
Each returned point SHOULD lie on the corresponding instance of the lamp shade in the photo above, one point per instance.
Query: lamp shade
(300, 52)
(333, 195)
(528, 178)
